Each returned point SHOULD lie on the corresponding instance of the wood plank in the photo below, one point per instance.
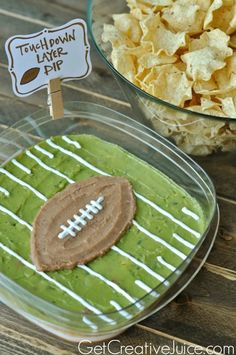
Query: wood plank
(204, 313)
(70, 93)
(76, 5)
(224, 249)
(51, 12)
(221, 167)
(18, 336)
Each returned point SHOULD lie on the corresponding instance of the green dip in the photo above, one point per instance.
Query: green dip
(146, 181)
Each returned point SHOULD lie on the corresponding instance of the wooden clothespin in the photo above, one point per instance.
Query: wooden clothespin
(55, 99)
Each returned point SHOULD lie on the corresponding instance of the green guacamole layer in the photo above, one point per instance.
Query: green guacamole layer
(146, 181)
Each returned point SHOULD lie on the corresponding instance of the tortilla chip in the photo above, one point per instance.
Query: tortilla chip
(150, 60)
(160, 38)
(185, 16)
(171, 85)
(221, 15)
(207, 55)
(128, 25)
(229, 106)
(124, 63)
(115, 37)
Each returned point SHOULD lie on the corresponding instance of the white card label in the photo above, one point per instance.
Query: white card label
(61, 52)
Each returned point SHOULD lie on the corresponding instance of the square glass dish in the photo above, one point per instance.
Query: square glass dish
(67, 303)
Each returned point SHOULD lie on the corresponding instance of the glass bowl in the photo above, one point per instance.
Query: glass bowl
(195, 133)
(87, 118)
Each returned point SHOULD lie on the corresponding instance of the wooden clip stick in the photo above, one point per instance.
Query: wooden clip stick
(55, 99)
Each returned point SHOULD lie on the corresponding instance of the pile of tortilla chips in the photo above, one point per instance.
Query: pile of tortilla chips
(182, 52)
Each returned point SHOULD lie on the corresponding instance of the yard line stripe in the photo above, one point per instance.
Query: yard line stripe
(183, 241)
(15, 217)
(44, 151)
(46, 167)
(146, 288)
(161, 241)
(89, 323)
(124, 313)
(22, 183)
(140, 264)
(70, 141)
(163, 262)
(186, 211)
(21, 166)
(110, 283)
(75, 156)
(4, 191)
(58, 284)
(168, 215)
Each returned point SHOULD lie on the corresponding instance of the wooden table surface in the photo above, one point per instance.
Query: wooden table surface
(205, 313)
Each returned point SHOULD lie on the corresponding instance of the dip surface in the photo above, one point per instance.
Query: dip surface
(168, 224)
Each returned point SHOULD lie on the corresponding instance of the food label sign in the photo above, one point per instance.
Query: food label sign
(62, 52)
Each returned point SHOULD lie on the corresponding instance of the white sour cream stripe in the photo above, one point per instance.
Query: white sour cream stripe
(58, 284)
(183, 241)
(146, 288)
(111, 284)
(164, 263)
(90, 323)
(186, 211)
(168, 215)
(22, 183)
(46, 167)
(75, 156)
(140, 264)
(141, 197)
(124, 313)
(44, 151)
(4, 191)
(15, 217)
(159, 240)
(70, 141)
(21, 166)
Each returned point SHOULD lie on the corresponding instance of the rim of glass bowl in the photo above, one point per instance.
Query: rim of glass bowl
(196, 115)
(97, 113)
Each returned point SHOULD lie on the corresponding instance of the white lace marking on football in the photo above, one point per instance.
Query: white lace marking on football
(46, 167)
(44, 151)
(21, 166)
(141, 197)
(93, 208)
(4, 191)
(58, 284)
(186, 211)
(146, 288)
(163, 262)
(22, 183)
